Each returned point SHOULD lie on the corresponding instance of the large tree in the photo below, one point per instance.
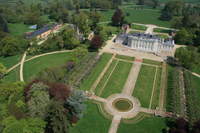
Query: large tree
(29, 125)
(57, 119)
(81, 21)
(39, 100)
(96, 42)
(118, 18)
(75, 104)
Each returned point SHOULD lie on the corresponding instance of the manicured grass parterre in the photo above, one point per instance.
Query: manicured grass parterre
(160, 30)
(147, 125)
(87, 83)
(138, 27)
(156, 94)
(144, 85)
(117, 79)
(125, 57)
(92, 121)
(33, 67)
(100, 87)
(152, 62)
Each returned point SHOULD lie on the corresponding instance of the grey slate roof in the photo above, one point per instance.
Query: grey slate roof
(40, 31)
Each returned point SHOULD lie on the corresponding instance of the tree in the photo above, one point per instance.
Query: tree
(118, 18)
(155, 3)
(81, 22)
(76, 104)
(172, 8)
(183, 37)
(70, 38)
(11, 45)
(3, 70)
(95, 17)
(57, 119)
(3, 24)
(96, 42)
(39, 100)
(29, 125)
(140, 2)
(59, 92)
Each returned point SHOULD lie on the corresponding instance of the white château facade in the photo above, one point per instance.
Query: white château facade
(146, 43)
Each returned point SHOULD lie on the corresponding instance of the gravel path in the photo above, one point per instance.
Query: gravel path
(22, 67)
(132, 78)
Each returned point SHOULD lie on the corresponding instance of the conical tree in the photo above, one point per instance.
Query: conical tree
(118, 18)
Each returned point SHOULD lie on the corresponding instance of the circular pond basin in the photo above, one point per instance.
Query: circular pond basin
(123, 105)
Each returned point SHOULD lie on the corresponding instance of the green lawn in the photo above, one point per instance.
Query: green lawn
(156, 95)
(145, 16)
(102, 83)
(33, 67)
(86, 85)
(152, 62)
(117, 79)
(10, 61)
(138, 27)
(12, 76)
(147, 125)
(160, 30)
(18, 29)
(92, 121)
(125, 57)
(144, 85)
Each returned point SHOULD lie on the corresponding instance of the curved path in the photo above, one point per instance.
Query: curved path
(22, 66)
(37, 56)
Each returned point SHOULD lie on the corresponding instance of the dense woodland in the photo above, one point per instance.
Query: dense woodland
(39, 105)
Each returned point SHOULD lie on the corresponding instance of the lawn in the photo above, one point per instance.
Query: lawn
(144, 85)
(156, 95)
(92, 121)
(10, 61)
(87, 83)
(33, 67)
(160, 30)
(147, 125)
(138, 27)
(117, 79)
(104, 80)
(152, 62)
(18, 29)
(144, 16)
(125, 57)
(12, 76)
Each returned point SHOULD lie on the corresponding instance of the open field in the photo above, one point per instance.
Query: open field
(18, 29)
(10, 61)
(92, 121)
(33, 67)
(12, 76)
(145, 16)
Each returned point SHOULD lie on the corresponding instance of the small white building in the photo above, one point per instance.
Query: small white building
(146, 43)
